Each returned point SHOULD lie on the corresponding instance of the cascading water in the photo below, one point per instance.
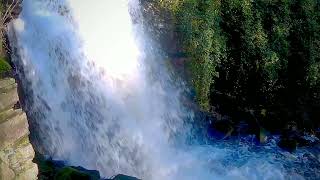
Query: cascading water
(93, 102)
(97, 100)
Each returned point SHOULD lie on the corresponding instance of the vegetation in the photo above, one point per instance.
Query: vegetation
(7, 11)
(263, 55)
(202, 40)
(4, 66)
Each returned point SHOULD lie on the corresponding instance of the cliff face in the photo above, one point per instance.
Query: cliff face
(16, 152)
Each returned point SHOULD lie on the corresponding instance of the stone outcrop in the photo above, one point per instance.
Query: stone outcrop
(16, 152)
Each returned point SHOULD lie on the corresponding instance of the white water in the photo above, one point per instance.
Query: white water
(96, 104)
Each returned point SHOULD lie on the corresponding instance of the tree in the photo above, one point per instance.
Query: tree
(7, 8)
(198, 27)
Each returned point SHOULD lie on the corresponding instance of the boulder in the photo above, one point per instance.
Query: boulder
(221, 129)
(52, 169)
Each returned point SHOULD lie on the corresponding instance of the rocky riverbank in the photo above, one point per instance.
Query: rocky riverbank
(16, 151)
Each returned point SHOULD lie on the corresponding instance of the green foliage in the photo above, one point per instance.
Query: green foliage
(2, 6)
(198, 26)
(261, 53)
(69, 173)
(257, 33)
(4, 66)
(312, 13)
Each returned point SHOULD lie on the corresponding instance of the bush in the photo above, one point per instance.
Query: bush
(4, 66)
(200, 35)
(263, 54)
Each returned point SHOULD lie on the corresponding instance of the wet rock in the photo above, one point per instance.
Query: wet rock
(317, 133)
(69, 173)
(263, 136)
(288, 144)
(124, 177)
(52, 169)
(288, 140)
(292, 138)
(221, 129)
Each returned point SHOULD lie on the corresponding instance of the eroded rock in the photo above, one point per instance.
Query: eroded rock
(8, 93)
(16, 151)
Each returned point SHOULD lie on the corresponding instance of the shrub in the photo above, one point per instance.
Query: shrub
(4, 66)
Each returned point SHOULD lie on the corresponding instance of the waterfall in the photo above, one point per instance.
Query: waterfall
(93, 100)
(96, 98)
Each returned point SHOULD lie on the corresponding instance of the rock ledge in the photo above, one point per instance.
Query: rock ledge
(16, 151)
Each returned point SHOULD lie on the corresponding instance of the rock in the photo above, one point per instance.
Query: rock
(69, 173)
(8, 114)
(263, 136)
(124, 177)
(52, 169)
(7, 83)
(16, 152)
(30, 173)
(288, 139)
(221, 129)
(288, 144)
(292, 138)
(13, 129)
(8, 93)
(92, 173)
(317, 133)
(79, 173)
(5, 171)
(19, 159)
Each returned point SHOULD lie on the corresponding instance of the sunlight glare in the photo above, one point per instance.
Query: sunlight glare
(108, 38)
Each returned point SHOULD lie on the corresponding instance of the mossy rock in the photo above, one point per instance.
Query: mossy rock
(69, 173)
(124, 177)
(4, 66)
(46, 169)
